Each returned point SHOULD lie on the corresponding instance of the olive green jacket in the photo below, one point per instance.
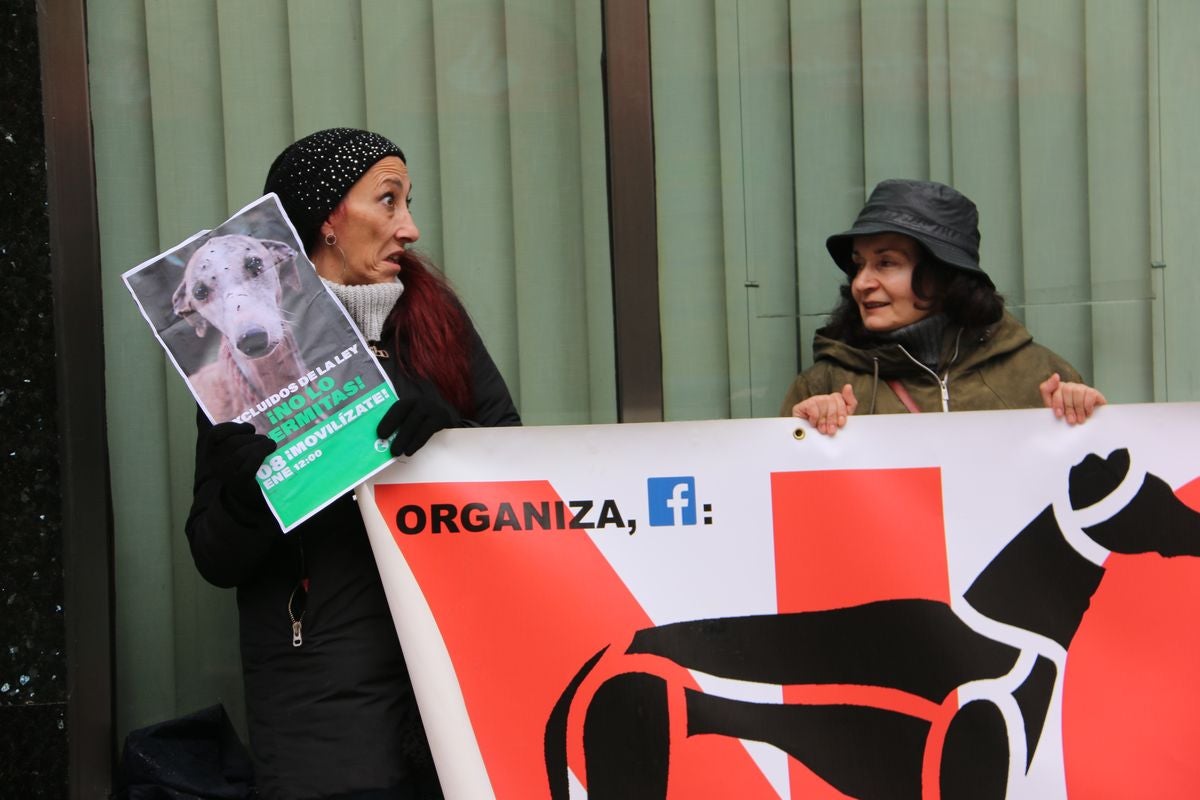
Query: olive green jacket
(979, 370)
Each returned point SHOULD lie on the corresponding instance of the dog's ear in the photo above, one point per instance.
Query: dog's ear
(285, 262)
(181, 304)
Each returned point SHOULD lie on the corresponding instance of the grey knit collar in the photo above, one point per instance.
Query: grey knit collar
(368, 304)
(923, 338)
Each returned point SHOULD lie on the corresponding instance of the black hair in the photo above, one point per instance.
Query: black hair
(968, 299)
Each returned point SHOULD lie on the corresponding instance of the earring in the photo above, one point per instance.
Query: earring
(331, 239)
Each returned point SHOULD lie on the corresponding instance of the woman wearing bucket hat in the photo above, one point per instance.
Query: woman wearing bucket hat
(329, 703)
(920, 326)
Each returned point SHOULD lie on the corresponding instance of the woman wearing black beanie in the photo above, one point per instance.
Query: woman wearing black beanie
(330, 706)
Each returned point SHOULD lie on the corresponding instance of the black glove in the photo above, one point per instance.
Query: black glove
(419, 413)
(232, 452)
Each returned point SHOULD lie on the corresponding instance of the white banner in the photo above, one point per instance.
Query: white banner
(981, 604)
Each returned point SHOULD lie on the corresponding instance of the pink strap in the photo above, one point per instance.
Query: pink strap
(904, 396)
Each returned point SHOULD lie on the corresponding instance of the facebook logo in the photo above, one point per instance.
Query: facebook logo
(672, 500)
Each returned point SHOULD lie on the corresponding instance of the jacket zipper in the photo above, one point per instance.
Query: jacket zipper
(300, 588)
(942, 382)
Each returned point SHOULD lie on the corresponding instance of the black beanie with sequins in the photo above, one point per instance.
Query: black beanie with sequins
(313, 174)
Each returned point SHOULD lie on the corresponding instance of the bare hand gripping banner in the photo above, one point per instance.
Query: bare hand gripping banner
(973, 605)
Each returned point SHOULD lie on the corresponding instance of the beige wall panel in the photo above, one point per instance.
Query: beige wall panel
(698, 188)
(1052, 136)
(547, 211)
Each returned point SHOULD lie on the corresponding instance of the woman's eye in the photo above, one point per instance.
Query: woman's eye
(408, 201)
(388, 199)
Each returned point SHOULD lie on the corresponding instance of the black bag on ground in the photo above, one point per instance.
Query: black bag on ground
(194, 757)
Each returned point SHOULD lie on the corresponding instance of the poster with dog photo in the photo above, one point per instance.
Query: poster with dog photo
(258, 338)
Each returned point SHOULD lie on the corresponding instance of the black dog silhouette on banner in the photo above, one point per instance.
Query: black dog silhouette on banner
(1040, 582)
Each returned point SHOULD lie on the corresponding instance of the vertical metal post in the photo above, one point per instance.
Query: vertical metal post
(78, 330)
(632, 210)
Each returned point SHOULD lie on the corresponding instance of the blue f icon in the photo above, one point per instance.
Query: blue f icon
(672, 501)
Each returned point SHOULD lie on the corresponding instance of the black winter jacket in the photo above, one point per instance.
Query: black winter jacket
(335, 714)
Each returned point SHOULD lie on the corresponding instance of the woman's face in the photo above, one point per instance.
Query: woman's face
(373, 225)
(882, 287)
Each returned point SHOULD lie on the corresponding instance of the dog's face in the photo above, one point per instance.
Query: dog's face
(234, 283)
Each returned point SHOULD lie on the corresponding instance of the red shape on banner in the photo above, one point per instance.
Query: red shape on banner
(848, 537)
(1131, 698)
(521, 612)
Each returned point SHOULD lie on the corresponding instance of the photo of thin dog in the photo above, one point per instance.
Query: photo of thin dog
(235, 285)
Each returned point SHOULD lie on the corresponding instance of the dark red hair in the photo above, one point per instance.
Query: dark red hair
(431, 327)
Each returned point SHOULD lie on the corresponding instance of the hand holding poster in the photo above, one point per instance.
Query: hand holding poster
(250, 327)
(970, 605)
